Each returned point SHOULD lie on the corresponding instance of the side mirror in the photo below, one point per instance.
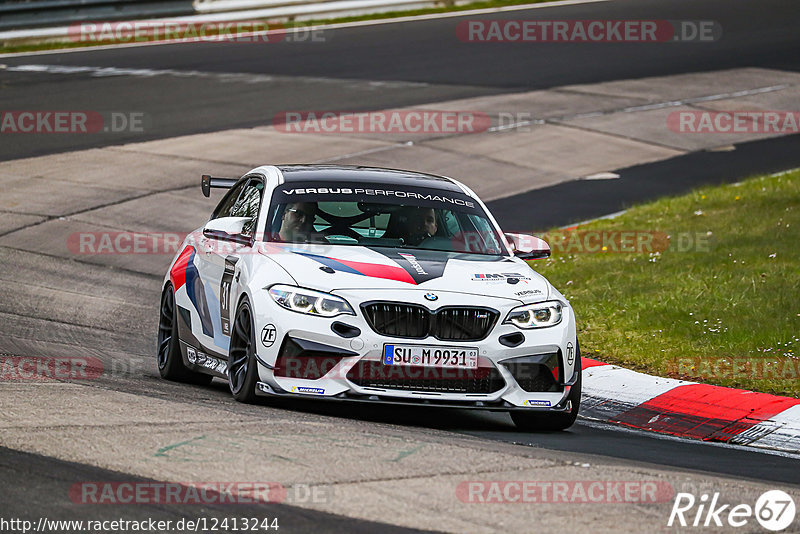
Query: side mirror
(528, 247)
(230, 228)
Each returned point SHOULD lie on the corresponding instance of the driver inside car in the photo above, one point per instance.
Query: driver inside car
(413, 225)
(297, 222)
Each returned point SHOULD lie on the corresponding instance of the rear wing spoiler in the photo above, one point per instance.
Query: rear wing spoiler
(207, 182)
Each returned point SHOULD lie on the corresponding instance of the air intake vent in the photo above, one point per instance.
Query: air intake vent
(417, 322)
(483, 380)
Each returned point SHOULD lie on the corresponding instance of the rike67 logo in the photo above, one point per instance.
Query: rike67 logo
(774, 510)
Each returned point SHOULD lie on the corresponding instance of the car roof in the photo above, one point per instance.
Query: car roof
(366, 175)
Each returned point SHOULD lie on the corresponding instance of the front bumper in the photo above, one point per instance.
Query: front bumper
(263, 389)
(324, 358)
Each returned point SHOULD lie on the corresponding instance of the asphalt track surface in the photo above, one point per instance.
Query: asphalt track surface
(425, 60)
(760, 34)
(580, 200)
(45, 482)
(36, 486)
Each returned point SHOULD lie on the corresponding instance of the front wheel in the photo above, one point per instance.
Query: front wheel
(170, 361)
(242, 371)
(530, 421)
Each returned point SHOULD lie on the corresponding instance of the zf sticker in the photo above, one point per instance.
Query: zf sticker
(570, 353)
(268, 335)
(225, 294)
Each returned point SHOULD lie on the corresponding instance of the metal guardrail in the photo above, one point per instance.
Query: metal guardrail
(310, 6)
(22, 14)
(18, 14)
(299, 9)
(217, 6)
(33, 5)
(37, 21)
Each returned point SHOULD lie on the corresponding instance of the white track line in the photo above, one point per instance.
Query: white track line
(243, 77)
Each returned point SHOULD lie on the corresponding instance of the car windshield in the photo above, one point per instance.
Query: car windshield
(393, 216)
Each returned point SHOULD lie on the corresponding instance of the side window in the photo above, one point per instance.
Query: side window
(486, 234)
(247, 205)
(228, 201)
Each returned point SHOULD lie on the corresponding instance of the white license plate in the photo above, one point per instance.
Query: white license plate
(430, 356)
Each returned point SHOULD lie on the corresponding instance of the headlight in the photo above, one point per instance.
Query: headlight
(537, 315)
(309, 301)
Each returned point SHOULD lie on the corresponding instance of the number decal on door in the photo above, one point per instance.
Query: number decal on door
(225, 294)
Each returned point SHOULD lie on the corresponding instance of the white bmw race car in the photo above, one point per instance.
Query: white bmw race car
(358, 284)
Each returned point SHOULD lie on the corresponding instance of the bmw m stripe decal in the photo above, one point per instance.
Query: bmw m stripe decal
(184, 273)
(178, 272)
(197, 294)
(374, 270)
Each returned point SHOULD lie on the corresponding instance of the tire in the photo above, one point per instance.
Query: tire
(242, 368)
(168, 352)
(529, 421)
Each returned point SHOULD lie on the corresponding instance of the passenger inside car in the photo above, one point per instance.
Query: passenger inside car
(412, 224)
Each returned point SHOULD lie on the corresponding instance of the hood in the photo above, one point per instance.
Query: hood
(340, 267)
